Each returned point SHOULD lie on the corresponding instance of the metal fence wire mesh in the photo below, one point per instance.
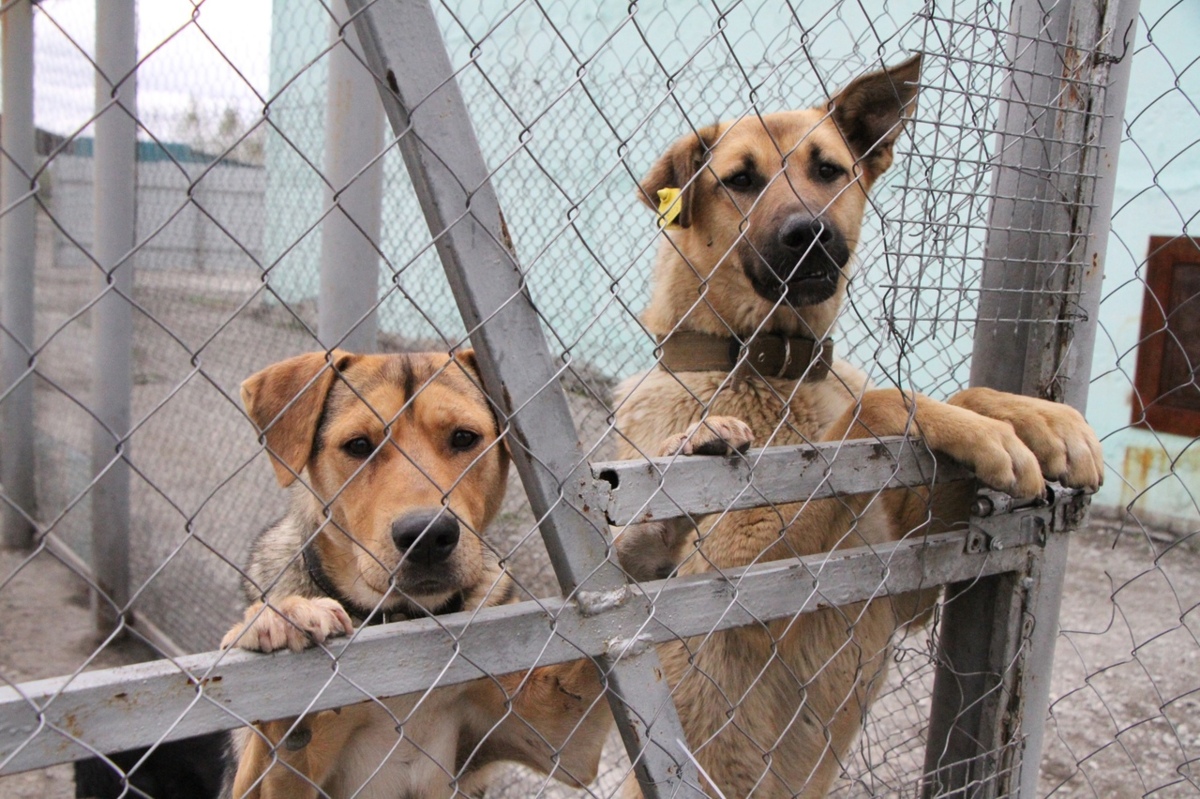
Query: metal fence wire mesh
(268, 211)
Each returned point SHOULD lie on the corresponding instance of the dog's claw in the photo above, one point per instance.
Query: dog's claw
(294, 622)
(716, 435)
(1064, 445)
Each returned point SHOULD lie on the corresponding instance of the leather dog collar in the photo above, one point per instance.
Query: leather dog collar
(369, 616)
(767, 354)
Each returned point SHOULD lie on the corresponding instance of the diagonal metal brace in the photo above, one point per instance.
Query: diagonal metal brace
(403, 45)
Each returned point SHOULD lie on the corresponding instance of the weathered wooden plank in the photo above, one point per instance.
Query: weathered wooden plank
(664, 488)
(137, 705)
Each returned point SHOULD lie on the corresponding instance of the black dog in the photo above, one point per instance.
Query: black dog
(190, 768)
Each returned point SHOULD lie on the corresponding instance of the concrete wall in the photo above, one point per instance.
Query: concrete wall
(1158, 194)
(215, 224)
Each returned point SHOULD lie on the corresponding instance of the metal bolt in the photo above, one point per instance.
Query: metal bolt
(997, 545)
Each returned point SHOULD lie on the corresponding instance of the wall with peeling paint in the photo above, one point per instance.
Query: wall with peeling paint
(1158, 193)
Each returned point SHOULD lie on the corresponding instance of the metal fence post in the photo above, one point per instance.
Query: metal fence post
(404, 47)
(115, 165)
(354, 175)
(1068, 368)
(18, 244)
(1052, 199)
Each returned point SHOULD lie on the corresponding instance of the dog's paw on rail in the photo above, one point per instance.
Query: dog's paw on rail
(295, 622)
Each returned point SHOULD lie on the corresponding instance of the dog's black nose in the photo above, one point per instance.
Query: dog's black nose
(799, 232)
(426, 537)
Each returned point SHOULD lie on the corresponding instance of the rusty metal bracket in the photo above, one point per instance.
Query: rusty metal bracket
(998, 520)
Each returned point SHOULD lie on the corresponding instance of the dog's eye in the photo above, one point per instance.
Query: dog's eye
(828, 171)
(463, 439)
(741, 180)
(359, 447)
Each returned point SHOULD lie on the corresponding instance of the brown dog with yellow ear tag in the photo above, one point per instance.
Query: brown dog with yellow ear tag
(761, 218)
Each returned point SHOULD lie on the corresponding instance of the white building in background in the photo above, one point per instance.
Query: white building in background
(183, 222)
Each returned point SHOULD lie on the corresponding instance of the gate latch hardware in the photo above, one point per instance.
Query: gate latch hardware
(997, 519)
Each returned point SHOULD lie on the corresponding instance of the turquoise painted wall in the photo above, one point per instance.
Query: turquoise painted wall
(295, 148)
(572, 113)
(1158, 194)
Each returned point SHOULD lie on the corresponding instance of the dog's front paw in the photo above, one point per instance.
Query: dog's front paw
(294, 622)
(649, 551)
(716, 435)
(998, 457)
(1065, 445)
(988, 447)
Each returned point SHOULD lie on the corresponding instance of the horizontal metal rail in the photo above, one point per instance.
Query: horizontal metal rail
(665, 488)
(52, 721)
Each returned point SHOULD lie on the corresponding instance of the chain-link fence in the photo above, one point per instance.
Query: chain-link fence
(230, 196)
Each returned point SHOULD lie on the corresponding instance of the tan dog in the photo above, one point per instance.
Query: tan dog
(403, 452)
(769, 216)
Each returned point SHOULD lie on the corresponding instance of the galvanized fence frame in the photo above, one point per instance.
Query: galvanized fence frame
(1010, 564)
(17, 226)
(1048, 354)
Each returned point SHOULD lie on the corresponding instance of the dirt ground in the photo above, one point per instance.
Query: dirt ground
(48, 631)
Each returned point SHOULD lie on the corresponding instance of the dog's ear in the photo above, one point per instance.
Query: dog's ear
(870, 113)
(677, 169)
(468, 360)
(285, 400)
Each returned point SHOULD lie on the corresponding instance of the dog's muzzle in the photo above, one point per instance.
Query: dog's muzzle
(802, 262)
(426, 538)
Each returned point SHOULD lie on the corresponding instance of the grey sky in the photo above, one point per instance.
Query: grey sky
(185, 64)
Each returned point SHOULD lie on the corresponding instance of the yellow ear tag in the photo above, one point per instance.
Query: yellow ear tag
(669, 206)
